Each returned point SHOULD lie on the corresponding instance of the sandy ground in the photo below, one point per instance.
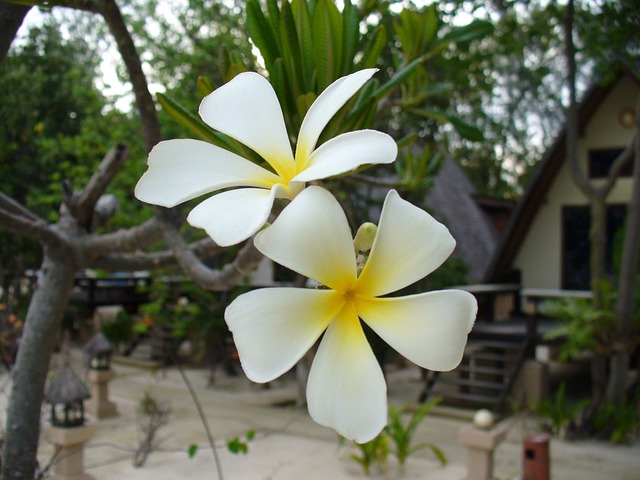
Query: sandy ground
(290, 446)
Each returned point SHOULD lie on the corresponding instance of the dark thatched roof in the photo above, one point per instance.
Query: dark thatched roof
(452, 199)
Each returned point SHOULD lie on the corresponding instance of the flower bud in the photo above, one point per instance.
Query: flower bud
(364, 237)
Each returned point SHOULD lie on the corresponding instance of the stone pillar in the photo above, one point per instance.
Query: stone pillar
(70, 458)
(480, 444)
(532, 384)
(99, 405)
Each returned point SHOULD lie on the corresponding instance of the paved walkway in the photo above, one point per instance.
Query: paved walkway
(290, 446)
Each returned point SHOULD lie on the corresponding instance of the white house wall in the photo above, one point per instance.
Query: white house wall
(539, 257)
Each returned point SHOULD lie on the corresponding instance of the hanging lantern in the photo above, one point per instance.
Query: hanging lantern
(66, 394)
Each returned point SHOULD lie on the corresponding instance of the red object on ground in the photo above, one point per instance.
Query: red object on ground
(535, 458)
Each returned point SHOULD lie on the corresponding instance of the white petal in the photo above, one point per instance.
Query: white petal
(346, 389)
(409, 245)
(429, 329)
(180, 170)
(312, 237)
(274, 327)
(347, 152)
(323, 109)
(233, 216)
(247, 109)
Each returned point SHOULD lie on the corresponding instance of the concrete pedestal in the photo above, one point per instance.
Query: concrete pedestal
(70, 458)
(99, 406)
(480, 444)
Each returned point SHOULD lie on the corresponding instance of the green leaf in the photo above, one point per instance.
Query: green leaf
(273, 11)
(398, 78)
(291, 56)
(466, 130)
(474, 31)
(236, 446)
(373, 48)
(261, 33)
(193, 449)
(304, 102)
(439, 454)
(302, 18)
(192, 123)
(327, 46)
(351, 35)
(205, 85)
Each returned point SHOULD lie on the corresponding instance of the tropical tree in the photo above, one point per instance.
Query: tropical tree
(70, 242)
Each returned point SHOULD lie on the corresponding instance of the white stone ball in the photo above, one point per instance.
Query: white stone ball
(483, 418)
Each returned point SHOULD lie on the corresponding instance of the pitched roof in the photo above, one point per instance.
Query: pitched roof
(452, 198)
(499, 268)
(66, 387)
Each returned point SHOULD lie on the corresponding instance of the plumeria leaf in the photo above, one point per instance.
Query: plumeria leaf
(205, 85)
(373, 48)
(261, 33)
(327, 35)
(302, 17)
(192, 123)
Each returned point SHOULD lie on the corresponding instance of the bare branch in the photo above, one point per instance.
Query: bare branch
(616, 169)
(82, 205)
(202, 248)
(229, 276)
(28, 227)
(578, 175)
(144, 102)
(123, 240)
(10, 205)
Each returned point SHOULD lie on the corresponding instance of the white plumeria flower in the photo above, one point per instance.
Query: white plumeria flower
(274, 327)
(247, 109)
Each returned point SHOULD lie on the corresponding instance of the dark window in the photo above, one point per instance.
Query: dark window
(600, 162)
(576, 222)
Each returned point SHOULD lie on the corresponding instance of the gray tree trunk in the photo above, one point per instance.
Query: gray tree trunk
(40, 332)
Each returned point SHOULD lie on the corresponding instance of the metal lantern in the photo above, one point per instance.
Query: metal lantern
(66, 394)
(98, 351)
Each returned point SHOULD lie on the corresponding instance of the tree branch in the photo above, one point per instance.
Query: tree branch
(28, 227)
(148, 261)
(579, 178)
(12, 206)
(122, 240)
(224, 279)
(83, 204)
(616, 169)
(144, 102)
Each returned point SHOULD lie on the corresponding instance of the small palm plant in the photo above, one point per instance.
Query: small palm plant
(402, 435)
(397, 438)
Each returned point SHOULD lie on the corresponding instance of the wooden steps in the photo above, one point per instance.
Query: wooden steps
(486, 374)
